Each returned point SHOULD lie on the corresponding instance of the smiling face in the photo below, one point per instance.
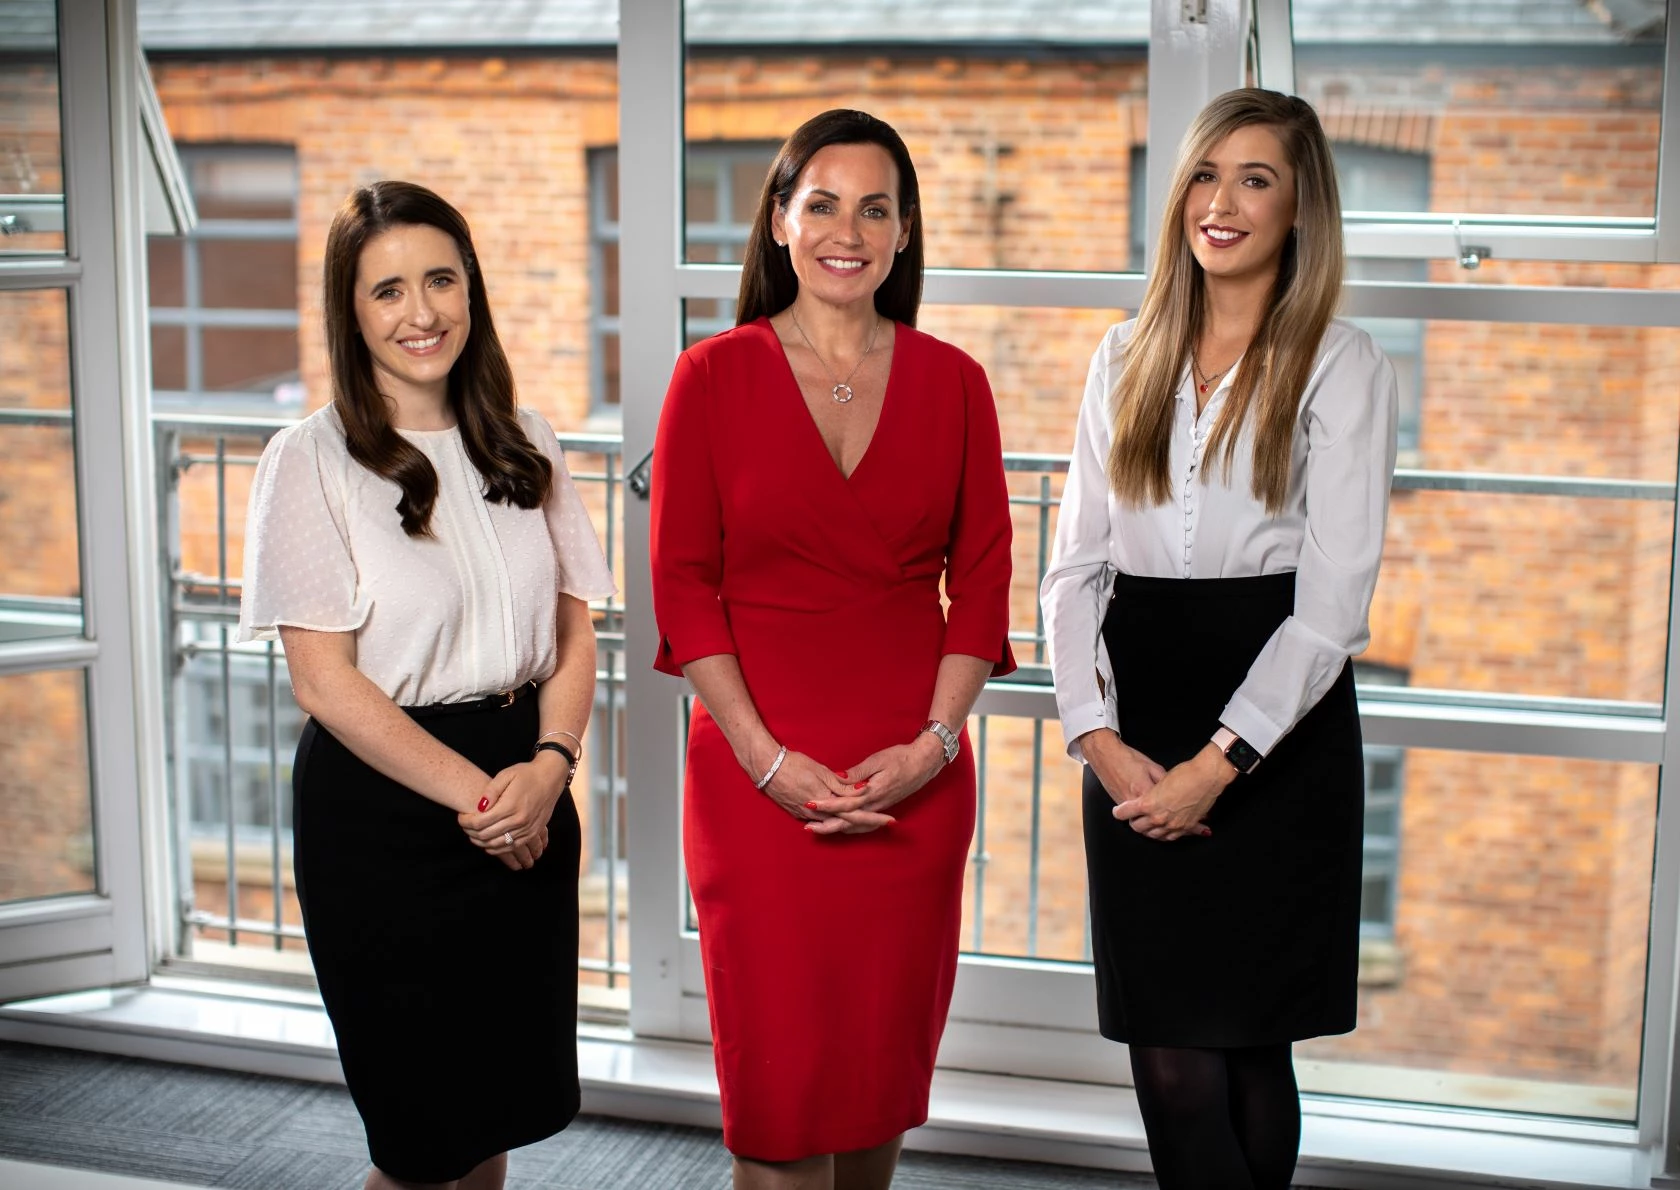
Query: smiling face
(842, 224)
(1240, 205)
(411, 309)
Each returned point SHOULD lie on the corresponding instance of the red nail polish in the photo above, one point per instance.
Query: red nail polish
(483, 804)
(810, 805)
(860, 785)
(841, 774)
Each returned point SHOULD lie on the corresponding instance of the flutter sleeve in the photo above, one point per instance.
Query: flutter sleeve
(298, 568)
(978, 564)
(584, 571)
(686, 543)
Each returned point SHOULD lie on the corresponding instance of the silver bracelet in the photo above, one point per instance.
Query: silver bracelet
(549, 734)
(774, 765)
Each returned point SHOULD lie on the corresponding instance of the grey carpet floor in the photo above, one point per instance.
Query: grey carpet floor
(216, 1128)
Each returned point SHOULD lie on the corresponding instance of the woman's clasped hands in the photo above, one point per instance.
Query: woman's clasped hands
(854, 801)
(511, 822)
(1158, 803)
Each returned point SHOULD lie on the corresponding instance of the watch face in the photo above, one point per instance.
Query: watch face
(1242, 756)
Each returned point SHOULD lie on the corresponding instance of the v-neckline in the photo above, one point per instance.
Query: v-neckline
(811, 419)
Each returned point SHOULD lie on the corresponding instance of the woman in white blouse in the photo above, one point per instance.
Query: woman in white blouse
(1215, 557)
(421, 551)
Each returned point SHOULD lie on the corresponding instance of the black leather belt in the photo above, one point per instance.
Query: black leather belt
(492, 702)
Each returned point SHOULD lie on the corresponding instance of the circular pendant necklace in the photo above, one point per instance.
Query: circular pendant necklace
(842, 390)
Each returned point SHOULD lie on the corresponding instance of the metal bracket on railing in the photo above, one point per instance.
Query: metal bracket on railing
(640, 478)
(1470, 256)
(14, 225)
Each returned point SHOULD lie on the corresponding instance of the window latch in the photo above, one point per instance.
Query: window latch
(1194, 12)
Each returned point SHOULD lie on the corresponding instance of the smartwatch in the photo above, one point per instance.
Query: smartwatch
(948, 739)
(1242, 755)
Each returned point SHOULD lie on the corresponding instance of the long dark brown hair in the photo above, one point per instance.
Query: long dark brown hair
(481, 392)
(768, 282)
(1279, 361)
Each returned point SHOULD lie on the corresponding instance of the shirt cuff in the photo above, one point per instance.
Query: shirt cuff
(1080, 720)
(1248, 721)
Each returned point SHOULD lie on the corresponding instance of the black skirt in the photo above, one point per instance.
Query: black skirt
(450, 979)
(1251, 936)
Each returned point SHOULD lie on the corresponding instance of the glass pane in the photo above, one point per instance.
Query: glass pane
(1515, 976)
(238, 360)
(40, 563)
(46, 847)
(248, 274)
(31, 148)
(239, 182)
(1024, 159)
(1550, 109)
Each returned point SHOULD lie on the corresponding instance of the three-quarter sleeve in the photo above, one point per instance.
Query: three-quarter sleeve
(1351, 432)
(584, 571)
(686, 541)
(298, 569)
(977, 561)
(1074, 593)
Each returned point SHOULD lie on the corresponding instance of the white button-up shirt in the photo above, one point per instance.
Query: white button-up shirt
(1330, 532)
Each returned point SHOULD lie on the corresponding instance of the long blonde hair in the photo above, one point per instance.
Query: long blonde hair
(1275, 369)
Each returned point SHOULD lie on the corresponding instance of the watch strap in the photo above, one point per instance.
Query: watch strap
(948, 739)
(1242, 755)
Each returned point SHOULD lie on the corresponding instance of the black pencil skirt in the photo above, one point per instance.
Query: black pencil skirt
(450, 979)
(1251, 936)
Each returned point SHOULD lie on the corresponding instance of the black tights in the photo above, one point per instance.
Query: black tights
(1219, 1119)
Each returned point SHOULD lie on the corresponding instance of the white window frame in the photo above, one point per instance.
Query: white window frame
(1034, 1018)
(108, 936)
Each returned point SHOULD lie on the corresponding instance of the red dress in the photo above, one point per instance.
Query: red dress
(829, 961)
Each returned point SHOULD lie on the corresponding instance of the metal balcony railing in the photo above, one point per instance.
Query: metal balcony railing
(233, 726)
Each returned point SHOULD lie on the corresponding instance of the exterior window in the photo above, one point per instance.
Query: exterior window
(722, 185)
(1385, 770)
(1378, 179)
(224, 298)
(204, 732)
(1137, 201)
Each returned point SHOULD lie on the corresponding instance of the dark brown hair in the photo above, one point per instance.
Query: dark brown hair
(515, 471)
(768, 282)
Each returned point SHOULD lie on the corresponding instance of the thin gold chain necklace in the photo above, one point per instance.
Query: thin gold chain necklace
(840, 386)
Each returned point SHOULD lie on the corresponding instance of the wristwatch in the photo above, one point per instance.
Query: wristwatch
(947, 738)
(1242, 755)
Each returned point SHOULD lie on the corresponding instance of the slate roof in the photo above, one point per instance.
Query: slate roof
(250, 26)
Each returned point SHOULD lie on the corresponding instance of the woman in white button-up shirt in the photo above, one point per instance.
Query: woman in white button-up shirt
(421, 550)
(1215, 557)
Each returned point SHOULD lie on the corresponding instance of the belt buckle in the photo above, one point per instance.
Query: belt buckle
(508, 697)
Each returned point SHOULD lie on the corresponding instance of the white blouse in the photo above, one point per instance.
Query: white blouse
(1330, 532)
(460, 615)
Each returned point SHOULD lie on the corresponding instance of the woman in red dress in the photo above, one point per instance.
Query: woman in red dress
(818, 470)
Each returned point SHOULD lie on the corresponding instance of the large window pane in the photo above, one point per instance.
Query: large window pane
(1515, 975)
(40, 562)
(1550, 109)
(31, 148)
(47, 847)
(1024, 157)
